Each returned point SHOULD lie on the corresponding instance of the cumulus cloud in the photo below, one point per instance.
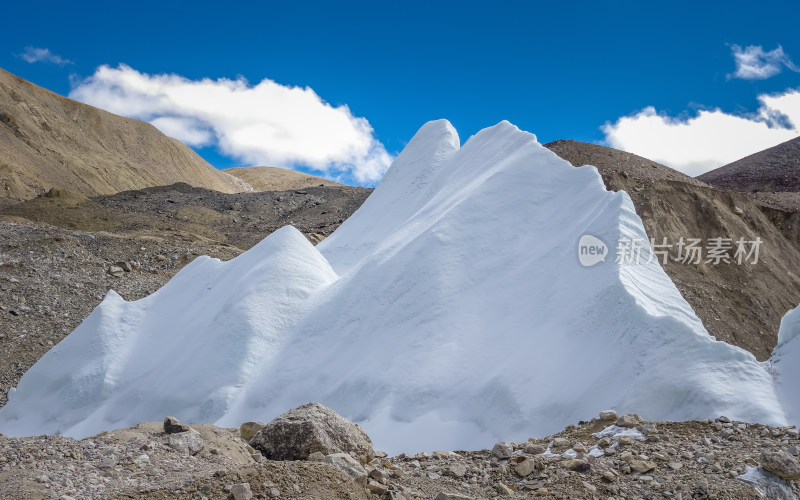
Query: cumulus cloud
(709, 139)
(262, 124)
(752, 63)
(35, 54)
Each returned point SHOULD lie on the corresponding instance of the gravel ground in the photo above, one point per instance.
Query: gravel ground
(643, 460)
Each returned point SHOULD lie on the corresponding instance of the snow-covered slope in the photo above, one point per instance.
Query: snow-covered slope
(449, 311)
(785, 362)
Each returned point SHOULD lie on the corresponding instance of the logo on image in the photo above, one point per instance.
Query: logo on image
(591, 250)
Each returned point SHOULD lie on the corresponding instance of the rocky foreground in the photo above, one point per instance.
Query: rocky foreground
(311, 452)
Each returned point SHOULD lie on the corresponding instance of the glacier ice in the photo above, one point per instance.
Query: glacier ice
(448, 312)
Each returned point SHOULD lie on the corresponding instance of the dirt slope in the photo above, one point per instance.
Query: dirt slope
(741, 304)
(776, 169)
(277, 179)
(47, 140)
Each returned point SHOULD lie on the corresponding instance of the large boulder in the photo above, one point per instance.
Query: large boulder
(311, 428)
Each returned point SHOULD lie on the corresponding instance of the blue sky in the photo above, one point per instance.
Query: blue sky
(660, 76)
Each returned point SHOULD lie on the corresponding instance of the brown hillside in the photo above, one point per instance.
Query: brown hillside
(47, 140)
(776, 169)
(278, 179)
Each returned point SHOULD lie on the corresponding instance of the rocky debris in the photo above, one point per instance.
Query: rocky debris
(189, 442)
(629, 420)
(248, 430)
(708, 459)
(172, 425)
(311, 428)
(781, 463)
(502, 450)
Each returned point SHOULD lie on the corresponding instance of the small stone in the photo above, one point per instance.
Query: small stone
(576, 464)
(451, 496)
(560, 443)
(626, 440)
(241, 491)
(248, 430)
(172, 425)
(125, 266)
(107, 462)
(376, 488)
(188, 443)
(432, 475)
(116, 271)
(629, 420)
(534, 448)
(316, 457)
(504, 490)
(526, 467)
(580, 447)
(274, 492)
(738, 211)
(456, 470)
(162, 258)
(642, 466)
(609, 476)
(608, 415)
(349, 465)
(502, 450)
(781, 464)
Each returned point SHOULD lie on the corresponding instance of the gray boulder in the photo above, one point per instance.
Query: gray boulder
(781, 464)
(188, 442)
(311, 428)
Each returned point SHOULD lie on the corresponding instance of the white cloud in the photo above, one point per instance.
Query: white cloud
(752, 63)
(34, 54)
(262, 124)
(711, 138)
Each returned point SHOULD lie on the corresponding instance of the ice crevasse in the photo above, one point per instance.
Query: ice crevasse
(450, 311)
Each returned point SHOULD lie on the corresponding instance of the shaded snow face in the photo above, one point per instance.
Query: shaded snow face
(450, 311)
(785, 365)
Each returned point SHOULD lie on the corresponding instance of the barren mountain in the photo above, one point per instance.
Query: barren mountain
(47, 141)
(56, 250)
(278, 179)
(739, 303)
(776, 169)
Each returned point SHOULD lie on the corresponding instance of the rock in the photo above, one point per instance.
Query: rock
(349, 465)
(66, 497)
(451, 496)
(504, 490)
(172, 425)
(576, 464)
(456, 470)
(781, 464)
(609, 476)
(316, 457)
(241, 491)
(376, 488)
(116, 271)
(125, 266)
(629, 420)
(608, 415)
(560, 443)
(188, 442)
(675, 465)
(642, 466)
(312, 427)
(502, 450)
(526, 467)
(738, 211)
(626, 440)
(248, 430)
(534, 448)
(161, 258)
